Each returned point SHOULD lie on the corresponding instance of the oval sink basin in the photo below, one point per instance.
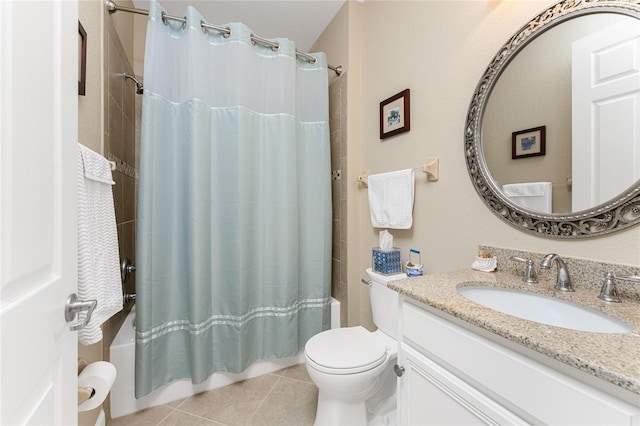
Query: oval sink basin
(545, 310)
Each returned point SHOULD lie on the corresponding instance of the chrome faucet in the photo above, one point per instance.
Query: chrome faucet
(563, 281)
(530, 276)
(609, 291)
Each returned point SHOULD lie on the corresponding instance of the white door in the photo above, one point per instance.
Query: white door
(606, 114)
(38, 136)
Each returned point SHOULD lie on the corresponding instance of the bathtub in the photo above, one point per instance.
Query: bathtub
(122, 355)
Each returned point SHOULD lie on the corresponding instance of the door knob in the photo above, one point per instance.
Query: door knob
(73, 306)
(399, 370)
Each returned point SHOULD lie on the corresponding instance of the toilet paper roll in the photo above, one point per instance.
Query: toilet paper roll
(99, 376)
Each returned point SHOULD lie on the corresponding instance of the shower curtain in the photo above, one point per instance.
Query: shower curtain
(234, 219)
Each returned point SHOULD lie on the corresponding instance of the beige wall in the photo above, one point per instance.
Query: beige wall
(438, 49)
(123, 25)
(90, 106)
(139, 39)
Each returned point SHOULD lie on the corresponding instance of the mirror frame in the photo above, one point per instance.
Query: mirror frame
(614, 215)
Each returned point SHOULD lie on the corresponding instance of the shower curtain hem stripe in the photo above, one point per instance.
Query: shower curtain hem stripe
(233, 320)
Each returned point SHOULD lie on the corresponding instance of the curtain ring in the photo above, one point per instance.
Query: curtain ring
(166, 18)
(255, 39)
(226, 32)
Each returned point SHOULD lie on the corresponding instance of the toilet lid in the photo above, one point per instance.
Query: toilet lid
(346, 350)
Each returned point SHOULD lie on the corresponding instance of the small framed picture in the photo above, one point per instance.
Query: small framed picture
(395, 115)
(82, 59)
(528, 143)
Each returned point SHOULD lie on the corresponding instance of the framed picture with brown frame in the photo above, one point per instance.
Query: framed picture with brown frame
(395, 115)
(82, 59)
(529, 142)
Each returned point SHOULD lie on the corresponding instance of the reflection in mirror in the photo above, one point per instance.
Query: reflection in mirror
(536, 89)
(548, 79)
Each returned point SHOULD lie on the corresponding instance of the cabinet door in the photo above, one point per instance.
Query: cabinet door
(430, 395)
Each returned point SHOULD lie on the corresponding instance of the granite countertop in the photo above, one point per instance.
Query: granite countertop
(614, 358)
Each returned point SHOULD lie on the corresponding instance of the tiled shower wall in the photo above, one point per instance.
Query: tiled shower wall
(120, 146)
(338, 126)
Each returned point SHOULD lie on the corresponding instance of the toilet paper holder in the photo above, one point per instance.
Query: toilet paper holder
(85, 393)
(94, 384)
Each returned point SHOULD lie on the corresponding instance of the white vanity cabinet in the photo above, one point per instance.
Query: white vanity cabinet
(454, 376)
(431, 395)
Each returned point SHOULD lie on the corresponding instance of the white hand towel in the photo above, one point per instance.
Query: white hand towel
(98, 256)
(391, 199)
(536, 196)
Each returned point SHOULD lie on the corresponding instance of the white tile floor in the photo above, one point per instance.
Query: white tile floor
(285, 397)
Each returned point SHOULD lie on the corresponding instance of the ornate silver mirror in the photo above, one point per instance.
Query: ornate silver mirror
(552, 138)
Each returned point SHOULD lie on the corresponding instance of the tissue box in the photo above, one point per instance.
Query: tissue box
(386, 261)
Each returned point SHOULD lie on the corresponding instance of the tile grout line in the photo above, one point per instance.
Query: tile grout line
(263, 400)
(177, 408)
(214, 422)
(299, 380)
(166, 417)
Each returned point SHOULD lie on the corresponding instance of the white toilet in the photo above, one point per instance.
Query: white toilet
(353, 367)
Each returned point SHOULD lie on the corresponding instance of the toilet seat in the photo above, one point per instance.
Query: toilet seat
(347, 350)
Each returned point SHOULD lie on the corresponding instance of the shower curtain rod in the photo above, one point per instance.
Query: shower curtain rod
(226, 32)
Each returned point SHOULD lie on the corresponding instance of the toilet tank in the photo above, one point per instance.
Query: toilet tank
(384, 302)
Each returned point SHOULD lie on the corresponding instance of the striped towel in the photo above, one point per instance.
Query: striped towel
(98, 256)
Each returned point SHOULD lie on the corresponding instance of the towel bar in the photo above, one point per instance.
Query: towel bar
(431, 168)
